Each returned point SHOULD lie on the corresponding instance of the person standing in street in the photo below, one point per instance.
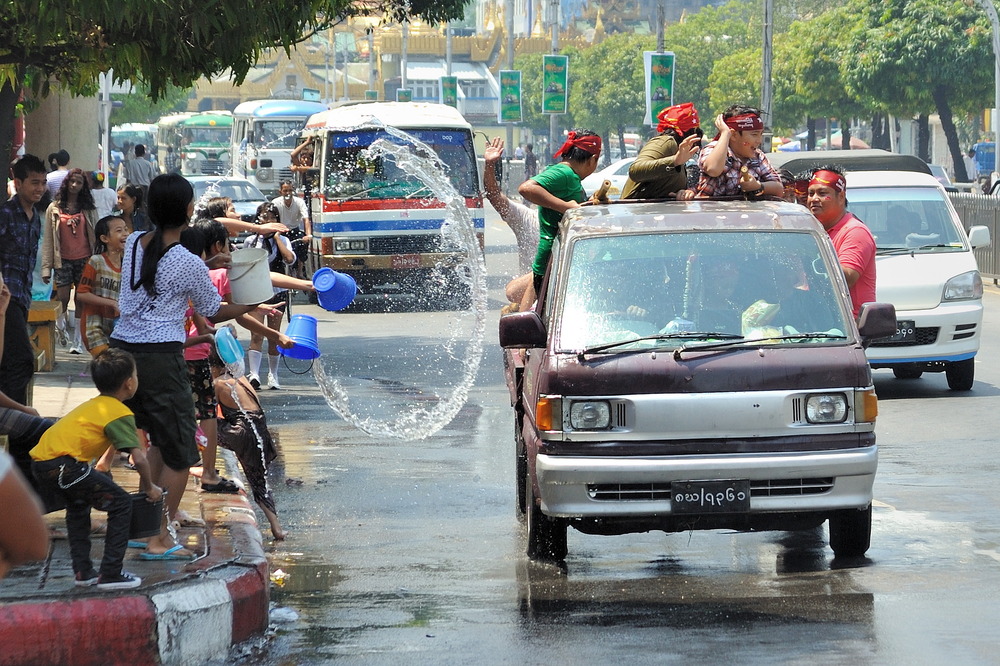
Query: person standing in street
(292, 213)
(854, 243)
(54, 179)
(140, 171)
(20, 230)
(530, 161)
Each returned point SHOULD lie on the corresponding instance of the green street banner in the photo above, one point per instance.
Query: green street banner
(449, 90)
(510, 96)
(659, 83)
(404, 94)
(555, 74)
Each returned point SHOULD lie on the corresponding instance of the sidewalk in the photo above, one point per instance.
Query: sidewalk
(183, 613)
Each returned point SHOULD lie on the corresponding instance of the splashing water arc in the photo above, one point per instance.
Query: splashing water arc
(419, 422)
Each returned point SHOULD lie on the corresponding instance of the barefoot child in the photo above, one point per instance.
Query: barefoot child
(61, 464)
(98, 290)
(239, 428)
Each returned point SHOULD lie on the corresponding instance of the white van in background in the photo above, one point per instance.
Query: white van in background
(925, 264)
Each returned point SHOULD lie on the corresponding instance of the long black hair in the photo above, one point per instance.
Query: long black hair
(84, 199)
(169, 197)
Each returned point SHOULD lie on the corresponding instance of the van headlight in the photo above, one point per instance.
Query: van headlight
(590, 415)
(964, 287)
(826, 408)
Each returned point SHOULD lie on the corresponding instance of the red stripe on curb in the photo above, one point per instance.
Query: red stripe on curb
(97, 631)
(250, 592)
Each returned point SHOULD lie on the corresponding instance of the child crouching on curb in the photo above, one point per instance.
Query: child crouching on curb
(61, 465)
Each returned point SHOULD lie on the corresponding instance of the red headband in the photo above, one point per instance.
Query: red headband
(801, 187)
(747, 121)
(682, 117)
(590, 143)
(831, 178)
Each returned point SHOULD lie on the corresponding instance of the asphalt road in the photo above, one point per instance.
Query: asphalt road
(410, 551)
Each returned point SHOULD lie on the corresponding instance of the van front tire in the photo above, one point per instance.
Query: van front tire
(851, 532)
(961, 374)
(546, 535)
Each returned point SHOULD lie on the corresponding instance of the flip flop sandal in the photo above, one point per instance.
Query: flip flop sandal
(170, 555)
(223, 486)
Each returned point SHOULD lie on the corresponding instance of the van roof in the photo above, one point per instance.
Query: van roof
(693, 215)
(860, 179)
(392, 114)
(848, 160)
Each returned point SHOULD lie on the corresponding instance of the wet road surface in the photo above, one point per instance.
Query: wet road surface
(411, 552)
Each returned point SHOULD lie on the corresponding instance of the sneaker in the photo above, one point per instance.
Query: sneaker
(272, 382)
(86, 579)
(254, 380)
(76, 349)
(123, 581)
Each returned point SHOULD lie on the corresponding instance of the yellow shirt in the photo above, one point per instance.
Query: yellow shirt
(87, 431)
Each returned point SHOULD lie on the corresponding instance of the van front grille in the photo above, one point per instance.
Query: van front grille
(647, 492)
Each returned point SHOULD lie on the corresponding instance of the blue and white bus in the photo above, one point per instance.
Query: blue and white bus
(265, 132)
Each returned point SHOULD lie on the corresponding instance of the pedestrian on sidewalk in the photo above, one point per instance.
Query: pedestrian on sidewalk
(61, 465)
(67, 245)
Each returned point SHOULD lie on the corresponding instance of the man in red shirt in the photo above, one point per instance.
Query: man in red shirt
(854, 243)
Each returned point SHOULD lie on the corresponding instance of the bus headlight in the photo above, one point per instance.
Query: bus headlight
(351, 246)
(590, 415)
(826, 408)
(265, 175)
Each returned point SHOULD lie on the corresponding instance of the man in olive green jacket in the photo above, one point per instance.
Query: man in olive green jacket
(658, 172)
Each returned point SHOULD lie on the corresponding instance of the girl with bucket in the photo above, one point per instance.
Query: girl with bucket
(209, 238)
(280, 258)
(159, 279)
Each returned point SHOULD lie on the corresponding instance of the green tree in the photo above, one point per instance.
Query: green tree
(140, 107)
(159, 43)
(915, 56)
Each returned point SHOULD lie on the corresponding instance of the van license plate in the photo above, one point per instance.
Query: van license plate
(406, 261)
(906, 331)
(731, 496)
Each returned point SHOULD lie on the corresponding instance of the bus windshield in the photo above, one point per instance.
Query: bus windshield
(277, 133)
(206, 136)
(350, 175)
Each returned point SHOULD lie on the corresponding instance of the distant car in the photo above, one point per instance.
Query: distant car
(616, 172)
(245, 195)
(942, 177)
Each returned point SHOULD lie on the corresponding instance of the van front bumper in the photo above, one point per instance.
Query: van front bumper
(820, 481)
(949, 332)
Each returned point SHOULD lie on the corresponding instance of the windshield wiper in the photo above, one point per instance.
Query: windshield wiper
(368, 191)
(893, 250)
(743, 341)
(659, 336)
(417, 191)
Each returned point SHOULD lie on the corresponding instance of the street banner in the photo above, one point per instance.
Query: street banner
(404, 94)
(510, 96)
(555, 75)
(659, 83)
(449, 90)
(371, 95)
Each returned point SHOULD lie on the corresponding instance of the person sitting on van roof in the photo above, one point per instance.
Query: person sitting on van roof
(737, 145)
(658, 172)
(852, 240)
(559, 188)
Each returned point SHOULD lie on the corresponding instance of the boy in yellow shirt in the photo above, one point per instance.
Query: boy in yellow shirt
(61, 465)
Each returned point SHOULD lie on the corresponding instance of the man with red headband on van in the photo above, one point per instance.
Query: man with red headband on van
(854, 243)
(658, 171)
(737, 145)
(556, 190)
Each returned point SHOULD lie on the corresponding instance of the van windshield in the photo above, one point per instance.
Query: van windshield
(351, 175)
(757, 284)
(907, 218)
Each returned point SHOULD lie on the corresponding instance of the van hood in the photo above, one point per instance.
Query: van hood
(916, 281)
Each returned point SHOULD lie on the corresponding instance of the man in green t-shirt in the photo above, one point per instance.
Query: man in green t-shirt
(556, 190)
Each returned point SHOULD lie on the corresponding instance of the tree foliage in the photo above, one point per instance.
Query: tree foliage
(139, 107)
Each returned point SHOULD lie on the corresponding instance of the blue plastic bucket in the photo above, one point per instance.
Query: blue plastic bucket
(334, 291)
(230, 349)
(302, 330)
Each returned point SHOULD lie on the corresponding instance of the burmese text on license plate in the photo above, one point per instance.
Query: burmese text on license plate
(725, 496)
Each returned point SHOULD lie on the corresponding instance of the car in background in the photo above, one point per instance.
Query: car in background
(245, 195)
(925, 264)
(616, 172)
(942, 177)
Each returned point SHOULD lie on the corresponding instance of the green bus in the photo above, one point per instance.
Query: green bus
(201, 140)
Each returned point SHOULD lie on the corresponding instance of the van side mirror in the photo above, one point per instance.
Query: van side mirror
(877, 320)
(525, 329)
(979, 236)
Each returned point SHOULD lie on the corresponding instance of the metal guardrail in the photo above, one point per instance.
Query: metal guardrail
(981, 209)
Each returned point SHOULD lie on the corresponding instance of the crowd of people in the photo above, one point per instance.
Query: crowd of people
(732, 164)
(149, 284)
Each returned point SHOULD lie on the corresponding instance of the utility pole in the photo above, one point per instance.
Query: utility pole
(554, 141)
(372, 70)
(991, 12)
(660, 19)
(765, 83)
(509, 27)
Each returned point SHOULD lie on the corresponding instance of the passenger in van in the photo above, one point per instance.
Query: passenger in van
(852, 240)
(658, 172)
(718, 306)
(737, 145)
(558, 189)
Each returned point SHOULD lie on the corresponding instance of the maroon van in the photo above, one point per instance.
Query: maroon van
(693, 365)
